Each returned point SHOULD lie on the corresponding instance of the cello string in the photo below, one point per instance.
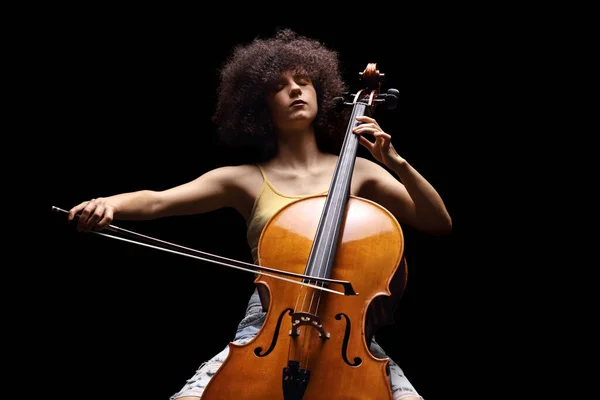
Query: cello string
(345, 163)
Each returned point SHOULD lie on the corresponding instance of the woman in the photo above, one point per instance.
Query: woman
(276, 100)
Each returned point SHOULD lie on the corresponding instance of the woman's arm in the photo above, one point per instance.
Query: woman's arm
(213, 190)
(412, 199)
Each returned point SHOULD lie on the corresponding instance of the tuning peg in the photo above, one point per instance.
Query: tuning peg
(391, 99)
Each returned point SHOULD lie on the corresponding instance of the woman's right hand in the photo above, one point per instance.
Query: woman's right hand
(96, 214)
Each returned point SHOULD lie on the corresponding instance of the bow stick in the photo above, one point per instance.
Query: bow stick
(227, 262)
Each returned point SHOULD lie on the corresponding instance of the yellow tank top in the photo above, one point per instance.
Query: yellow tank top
(268, 201)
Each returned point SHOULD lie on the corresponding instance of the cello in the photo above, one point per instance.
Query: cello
(314, 344)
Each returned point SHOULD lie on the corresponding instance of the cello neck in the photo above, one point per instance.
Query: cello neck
(322, 254)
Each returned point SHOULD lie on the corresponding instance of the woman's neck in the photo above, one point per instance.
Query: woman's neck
(297, 150)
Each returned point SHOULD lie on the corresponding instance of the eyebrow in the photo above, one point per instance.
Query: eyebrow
(302, 75)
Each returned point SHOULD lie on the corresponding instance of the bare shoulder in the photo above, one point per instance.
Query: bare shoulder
(244, 182)
(244, 177)
(367, 171)
(375, 182)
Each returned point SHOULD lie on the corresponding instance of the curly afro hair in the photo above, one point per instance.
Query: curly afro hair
(241, 113)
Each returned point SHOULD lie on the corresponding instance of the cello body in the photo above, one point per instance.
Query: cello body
(341, 366)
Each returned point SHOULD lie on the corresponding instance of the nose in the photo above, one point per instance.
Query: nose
(295, 90)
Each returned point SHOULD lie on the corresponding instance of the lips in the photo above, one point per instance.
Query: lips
(297, 102)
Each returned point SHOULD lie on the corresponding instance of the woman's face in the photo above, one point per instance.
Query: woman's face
(293, 101)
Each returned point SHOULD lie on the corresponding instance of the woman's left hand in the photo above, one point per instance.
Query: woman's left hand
(382, 148)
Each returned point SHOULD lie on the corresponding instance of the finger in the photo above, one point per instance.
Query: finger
(365, 142)
(365, 128)
(373, 131)
(365, 118)
(106, 219)
(73, 211)
(383, 142)
(96, 216)
(383, 135)
(85, 214)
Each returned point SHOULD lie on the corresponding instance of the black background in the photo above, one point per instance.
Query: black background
(131, 102)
